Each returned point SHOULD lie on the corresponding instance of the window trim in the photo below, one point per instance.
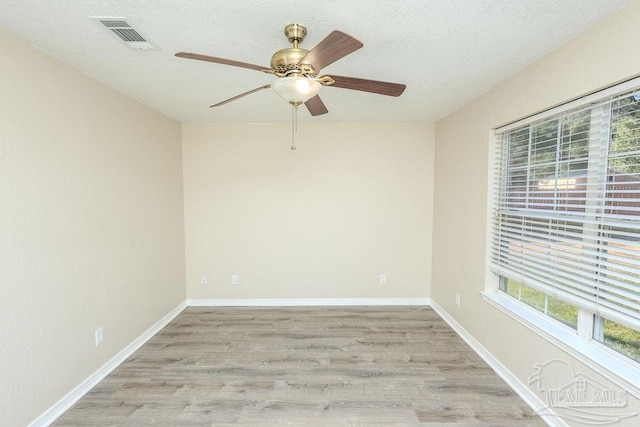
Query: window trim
(612, 365)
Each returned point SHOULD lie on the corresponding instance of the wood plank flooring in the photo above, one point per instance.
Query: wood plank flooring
(303, 365)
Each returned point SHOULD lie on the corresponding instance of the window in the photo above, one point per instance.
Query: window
(555, 308)
(565, 232)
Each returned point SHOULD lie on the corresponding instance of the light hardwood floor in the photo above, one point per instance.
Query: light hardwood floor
(303, 365)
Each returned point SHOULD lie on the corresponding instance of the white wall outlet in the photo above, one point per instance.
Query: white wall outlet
(99, 335)
(205, 280)
(383, 279)
(457, 299)
(234, 279)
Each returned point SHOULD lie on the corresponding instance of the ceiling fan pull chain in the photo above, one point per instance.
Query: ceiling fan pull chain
(294, 127)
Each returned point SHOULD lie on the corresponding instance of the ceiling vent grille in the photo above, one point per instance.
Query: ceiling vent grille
(120, 28)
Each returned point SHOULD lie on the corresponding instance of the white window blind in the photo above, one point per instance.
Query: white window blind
(567, 206)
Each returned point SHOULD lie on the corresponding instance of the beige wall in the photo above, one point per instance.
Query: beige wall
(324, 221)
(605, 54)
(91, 226)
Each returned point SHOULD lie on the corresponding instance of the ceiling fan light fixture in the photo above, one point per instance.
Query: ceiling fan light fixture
(296, 90)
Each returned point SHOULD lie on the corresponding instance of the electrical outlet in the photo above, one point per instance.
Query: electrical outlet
(234, 279)
(383, 279)
(457, 299)
(205, 280)
(99, 335)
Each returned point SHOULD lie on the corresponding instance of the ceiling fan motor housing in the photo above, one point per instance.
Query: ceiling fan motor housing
(287, 60)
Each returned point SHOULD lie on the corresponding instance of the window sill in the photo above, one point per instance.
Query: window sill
(606, 362)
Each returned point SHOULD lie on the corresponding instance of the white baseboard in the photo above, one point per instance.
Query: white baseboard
(51, 414)
(301, 302)
(518, 386)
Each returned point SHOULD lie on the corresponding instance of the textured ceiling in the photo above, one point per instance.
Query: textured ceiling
(446, 52)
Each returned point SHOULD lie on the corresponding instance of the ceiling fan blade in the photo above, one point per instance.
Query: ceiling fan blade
(240, 96)
(373, 86)
(333, 47)
(207, 58)
(315, 106)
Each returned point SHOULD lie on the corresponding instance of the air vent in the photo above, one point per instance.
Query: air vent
(111, 23)
(128, 34)
(125, 32)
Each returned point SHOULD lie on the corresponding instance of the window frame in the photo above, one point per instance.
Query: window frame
(578, 343)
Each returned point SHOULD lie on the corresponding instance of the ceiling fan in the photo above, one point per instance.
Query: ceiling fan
(297, 70)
